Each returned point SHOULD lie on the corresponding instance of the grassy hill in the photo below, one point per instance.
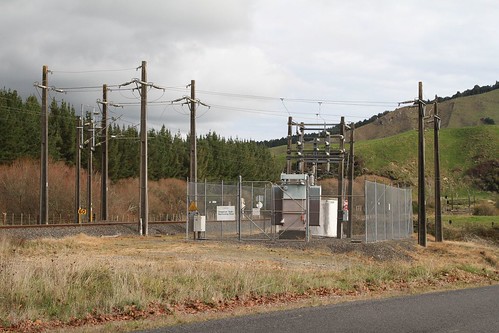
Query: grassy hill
(396, 156)
(460, 149)
(455, 113)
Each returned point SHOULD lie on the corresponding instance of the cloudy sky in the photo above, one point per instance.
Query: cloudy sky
(255, 62)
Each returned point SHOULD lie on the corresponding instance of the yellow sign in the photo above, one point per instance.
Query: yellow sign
(193, 207)
(82, 211)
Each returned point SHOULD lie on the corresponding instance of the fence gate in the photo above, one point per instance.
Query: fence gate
(257, 218)
(231, 210)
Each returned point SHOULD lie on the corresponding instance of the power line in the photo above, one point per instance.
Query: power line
(364, 103)
(302, 100)
(91, 71)
(272, 112)
(167, 103)
(282, 101)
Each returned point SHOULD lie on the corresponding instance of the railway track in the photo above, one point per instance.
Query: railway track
(94, 224)
(97, 229)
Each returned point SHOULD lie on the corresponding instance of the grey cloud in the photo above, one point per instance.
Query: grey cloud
(315, 49)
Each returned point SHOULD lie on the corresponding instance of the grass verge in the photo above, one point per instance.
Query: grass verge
(82, 280)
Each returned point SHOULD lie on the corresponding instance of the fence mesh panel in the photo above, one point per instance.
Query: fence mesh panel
(388, 212)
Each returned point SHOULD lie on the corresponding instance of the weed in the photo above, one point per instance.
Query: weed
(470, 269)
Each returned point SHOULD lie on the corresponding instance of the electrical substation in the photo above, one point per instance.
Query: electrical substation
(294, 208)
(298, 201)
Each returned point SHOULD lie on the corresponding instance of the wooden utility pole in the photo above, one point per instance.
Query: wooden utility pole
(421, 171)
(44, 183)
(439, 232)
(341, 175)
(144, 208)
(193, 168)
(193, 158)
(193, 141)
(105, 165)
(351, 163)
(78, 169)
(90, 170)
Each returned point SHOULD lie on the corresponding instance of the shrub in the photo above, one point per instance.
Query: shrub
(484, 210)
(488, 121)
(485, 175)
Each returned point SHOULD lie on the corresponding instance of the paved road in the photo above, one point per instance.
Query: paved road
(470, 310)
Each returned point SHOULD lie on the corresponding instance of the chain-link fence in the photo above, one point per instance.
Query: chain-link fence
(388, 212)
(259, 210)
(265, 211)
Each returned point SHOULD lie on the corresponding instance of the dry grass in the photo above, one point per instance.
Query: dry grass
(77, 276)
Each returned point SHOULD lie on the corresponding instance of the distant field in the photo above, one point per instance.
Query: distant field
(466, 220)
(467, 227)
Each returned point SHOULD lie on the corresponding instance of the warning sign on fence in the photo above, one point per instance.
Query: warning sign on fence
(226, 213)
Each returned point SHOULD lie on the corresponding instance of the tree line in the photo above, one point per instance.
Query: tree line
(476, 90)
(168, 153)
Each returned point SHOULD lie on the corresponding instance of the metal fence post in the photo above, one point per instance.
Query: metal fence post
(239, 206)
(366, 208)
(307, 215)
(375, 212)
(187, 212)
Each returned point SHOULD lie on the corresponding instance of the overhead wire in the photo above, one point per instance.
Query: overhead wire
(303, 100)
(268, 112)
(202, 114)
(282, 101)
(236, 109)
(184, 113)
(319, 112)
(11, 108)
(159, 102)
(91, 71)
(365, 103)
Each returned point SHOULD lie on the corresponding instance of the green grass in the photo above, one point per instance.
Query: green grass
(465, 227)
(379, 153)
(280, 154)
(464, 147)
(460, 149)
(394, 157)
(465, 220)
